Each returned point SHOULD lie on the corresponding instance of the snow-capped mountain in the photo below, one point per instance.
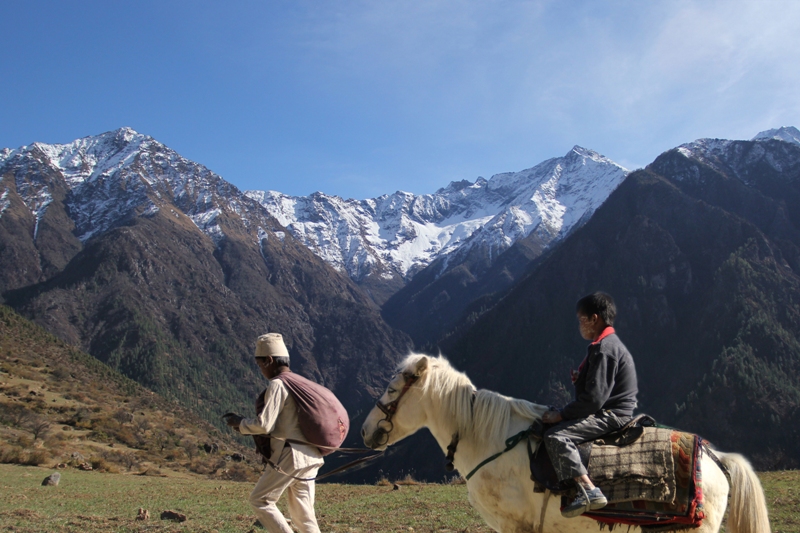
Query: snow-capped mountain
(159, 267)
(737, 157)
(397, 235)
(115, 176)
(786, 133)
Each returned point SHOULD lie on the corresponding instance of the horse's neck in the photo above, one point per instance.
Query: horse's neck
(444, 431)
(474, 446)
(470, 450)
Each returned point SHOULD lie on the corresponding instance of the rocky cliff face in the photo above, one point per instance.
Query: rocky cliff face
(700, 252)
(159, 267)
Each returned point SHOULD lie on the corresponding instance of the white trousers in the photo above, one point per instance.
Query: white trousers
(300, 497)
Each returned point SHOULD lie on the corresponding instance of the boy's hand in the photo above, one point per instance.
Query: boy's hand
(551, 417)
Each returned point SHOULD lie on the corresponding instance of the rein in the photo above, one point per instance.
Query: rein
(337, 470)
(511, 442)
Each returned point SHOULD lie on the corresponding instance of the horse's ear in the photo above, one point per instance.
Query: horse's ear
(422, 366)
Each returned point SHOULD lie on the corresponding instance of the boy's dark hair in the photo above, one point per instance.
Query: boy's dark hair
(598, 303)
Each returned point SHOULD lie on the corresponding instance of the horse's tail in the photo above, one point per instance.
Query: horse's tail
(748, 506)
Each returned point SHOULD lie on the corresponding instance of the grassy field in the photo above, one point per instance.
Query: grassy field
(94, 502)
(783, 499)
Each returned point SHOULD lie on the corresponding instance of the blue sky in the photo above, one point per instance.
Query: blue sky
(360, 99)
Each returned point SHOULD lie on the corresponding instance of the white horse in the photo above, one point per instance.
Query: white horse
(428, 392)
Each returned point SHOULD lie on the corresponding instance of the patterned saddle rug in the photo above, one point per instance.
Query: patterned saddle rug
(653, 483)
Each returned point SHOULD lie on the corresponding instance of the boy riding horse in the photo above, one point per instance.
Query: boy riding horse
(605, 398)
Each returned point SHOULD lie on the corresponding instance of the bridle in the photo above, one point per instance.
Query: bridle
(385, 425)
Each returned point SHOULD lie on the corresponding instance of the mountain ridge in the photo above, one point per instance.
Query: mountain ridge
(393, 237)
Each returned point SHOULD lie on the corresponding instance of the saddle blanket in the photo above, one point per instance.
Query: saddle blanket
(672, 503)
(643, 470)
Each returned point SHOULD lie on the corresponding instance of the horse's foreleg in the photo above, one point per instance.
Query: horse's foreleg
(484, 512)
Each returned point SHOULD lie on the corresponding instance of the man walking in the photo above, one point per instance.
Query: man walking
(605, 398)
(279, 418)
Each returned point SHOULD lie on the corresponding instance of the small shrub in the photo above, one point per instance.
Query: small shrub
(128, 460)
(126, 436)
(10, 454)
(239, 472)
(20, 456)
(37, 457)
(74, 395)
(61, 373)
(102, 465)
(206, 466)
(175, 454)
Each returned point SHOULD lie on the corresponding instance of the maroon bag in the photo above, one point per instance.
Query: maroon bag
(322, 417)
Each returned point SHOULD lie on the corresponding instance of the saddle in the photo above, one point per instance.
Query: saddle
(650, 476)
(544, 475)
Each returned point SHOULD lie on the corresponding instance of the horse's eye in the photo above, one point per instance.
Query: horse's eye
(390, 390)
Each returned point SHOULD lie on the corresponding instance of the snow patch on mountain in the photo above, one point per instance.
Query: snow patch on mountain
(786, 133)
(399, 234)
(121, 174)
(4, 202)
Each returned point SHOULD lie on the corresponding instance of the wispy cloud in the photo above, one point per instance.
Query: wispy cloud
(357, 95)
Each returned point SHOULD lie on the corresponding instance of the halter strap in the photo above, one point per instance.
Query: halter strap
(389, 409)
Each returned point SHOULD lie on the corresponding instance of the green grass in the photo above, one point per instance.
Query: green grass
(782, 490)
(93, 502)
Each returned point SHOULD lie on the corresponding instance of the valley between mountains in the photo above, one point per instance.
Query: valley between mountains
(166, 273)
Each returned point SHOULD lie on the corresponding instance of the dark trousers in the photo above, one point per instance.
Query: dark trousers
(562, 439)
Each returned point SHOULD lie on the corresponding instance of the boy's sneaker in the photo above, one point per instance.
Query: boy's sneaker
(585, 501)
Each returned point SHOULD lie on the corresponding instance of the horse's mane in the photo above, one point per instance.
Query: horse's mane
(483, 415)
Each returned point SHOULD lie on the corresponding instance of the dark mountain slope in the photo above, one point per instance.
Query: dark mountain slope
(176, 273)
(31, 250)
(759, 181)
(703, 294)
(436, 298)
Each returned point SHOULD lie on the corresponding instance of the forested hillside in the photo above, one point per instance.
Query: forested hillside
(699, 251)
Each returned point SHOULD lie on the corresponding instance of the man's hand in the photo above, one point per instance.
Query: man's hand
(551, 417)
(233, 420)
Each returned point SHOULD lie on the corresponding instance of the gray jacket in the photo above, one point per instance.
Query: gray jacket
(607, 381)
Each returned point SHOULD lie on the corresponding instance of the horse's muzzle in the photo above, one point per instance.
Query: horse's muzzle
(377, 439)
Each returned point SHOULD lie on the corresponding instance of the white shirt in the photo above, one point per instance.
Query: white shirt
(279, 419)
